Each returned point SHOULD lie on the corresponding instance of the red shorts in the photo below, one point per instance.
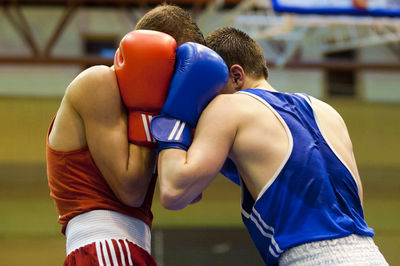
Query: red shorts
(110, 253)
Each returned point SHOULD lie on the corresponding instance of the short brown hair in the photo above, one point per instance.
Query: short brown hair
(174, 21)
(236, 47)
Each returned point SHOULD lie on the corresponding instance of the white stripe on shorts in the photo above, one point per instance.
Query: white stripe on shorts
(99, 254)
(128, 251)
(112, 250)
(121, 251)
(105, 253)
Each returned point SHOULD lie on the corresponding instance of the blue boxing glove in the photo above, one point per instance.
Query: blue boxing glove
(200, 74)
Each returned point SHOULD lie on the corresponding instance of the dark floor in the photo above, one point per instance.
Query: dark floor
(196, 246)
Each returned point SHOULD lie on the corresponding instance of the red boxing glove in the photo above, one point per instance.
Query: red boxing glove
(144, 64)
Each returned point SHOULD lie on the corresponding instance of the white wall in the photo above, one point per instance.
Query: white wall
(308, 81)
(380, 86)
(34, 81)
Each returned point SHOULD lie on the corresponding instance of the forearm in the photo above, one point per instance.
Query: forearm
(135, 180)
(180, 184)
(129, 172)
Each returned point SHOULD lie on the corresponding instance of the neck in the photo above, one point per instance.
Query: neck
(260, 84)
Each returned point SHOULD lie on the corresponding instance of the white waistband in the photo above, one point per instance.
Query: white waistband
(98, 225)
(351, 250)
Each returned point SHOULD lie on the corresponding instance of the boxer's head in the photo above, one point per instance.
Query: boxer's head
(237, 48)
(174, 21)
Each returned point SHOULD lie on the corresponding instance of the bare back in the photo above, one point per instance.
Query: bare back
(262, 144)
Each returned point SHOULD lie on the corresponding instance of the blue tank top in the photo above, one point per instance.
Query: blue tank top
(312, 196)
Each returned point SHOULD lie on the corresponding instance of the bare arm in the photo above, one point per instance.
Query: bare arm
(184, 175)
(127, 168)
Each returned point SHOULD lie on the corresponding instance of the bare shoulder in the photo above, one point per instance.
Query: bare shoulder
(220, 110)
(326, 113)
(224, 98)
(228, 102)
(93, 86)
(325, 108)
(92, 81)
(227, 109)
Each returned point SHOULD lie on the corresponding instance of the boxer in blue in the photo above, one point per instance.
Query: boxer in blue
(301, 190)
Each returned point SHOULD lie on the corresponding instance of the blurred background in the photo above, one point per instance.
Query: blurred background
(344, 52)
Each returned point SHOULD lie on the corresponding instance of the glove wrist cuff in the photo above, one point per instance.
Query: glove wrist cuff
(139, 128)
(171, 133)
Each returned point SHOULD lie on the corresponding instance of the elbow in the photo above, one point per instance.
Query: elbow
(131, 192)
(175, 185)
(132, 189)
(171, 199)
(135, 202)
(132, 199)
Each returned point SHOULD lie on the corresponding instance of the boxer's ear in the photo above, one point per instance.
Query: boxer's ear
(238, 76)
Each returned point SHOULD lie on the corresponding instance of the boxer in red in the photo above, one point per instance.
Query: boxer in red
(100, 154)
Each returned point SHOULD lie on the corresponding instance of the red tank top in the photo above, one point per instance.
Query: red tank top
(77, 186)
